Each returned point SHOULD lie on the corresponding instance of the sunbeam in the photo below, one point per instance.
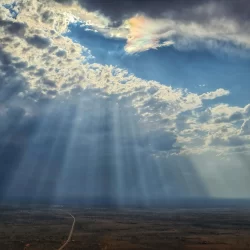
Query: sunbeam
(137, 109)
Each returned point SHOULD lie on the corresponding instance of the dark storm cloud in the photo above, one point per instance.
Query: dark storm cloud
(180, 9)
(21, 65)
(11, 82)
(49, 83)
(14, 28)
(40, 72)
(38, 41)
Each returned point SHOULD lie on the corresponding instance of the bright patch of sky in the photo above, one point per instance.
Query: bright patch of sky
(197, 71)
(12, 10)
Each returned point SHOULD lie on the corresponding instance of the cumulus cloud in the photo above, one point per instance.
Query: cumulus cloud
(229, 114)
(214, 94)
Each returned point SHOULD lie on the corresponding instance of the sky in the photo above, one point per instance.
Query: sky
(129, 102)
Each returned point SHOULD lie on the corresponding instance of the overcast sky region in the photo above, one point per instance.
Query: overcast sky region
(133, 101)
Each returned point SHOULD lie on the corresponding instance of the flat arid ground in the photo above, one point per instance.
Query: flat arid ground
(127, 229)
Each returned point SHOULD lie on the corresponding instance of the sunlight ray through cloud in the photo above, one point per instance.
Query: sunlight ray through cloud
(135, 108)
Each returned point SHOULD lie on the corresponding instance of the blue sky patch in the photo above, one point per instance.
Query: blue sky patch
(197, 71)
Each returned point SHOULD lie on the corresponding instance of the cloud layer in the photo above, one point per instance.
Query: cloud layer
(188, 25)
(58, 107)
(191, 10)
(39, 51)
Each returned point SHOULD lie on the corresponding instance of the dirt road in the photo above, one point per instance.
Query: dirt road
(70, 233)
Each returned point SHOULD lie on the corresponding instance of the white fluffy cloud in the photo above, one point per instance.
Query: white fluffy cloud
(214, 94)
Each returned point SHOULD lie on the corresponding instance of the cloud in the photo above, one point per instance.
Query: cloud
(234, 117)
(144, 34)
(157, 106)
(247, 110)
(11, 81)
(214, 94)
(226, 114)
(61, 53)
(225, 110)
(38, 41)
(53, 66)
(14, 28)
(216, 35)
(214, 25)
(245, 128)
(191, 10)
(233, 141)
